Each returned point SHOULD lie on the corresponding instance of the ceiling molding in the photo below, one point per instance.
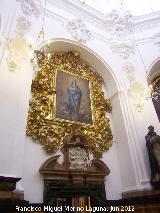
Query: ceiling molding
(94, 17)
(91, 17)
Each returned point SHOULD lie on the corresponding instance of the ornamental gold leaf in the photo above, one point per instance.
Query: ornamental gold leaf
(49, 131)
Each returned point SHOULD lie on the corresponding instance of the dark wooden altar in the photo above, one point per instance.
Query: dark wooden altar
(74, 179)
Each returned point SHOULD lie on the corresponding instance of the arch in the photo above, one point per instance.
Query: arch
(154, 70)
(89, 56)
(100, 166)
(154, 79)
(50, 163)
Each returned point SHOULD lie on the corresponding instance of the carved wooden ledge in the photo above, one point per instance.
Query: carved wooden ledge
(7, 185)
(51, 169)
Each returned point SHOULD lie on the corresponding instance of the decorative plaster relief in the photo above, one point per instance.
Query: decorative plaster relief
(31, 7)
(156, 39)
(23, 26)
(14, 53)
(136, 91)
(117, 25)
(129, 70)
(17, 52)
(77, 158)
(137, 95)
(124, 48)
(78, 30)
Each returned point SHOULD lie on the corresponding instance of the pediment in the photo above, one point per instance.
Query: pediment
(76, 165)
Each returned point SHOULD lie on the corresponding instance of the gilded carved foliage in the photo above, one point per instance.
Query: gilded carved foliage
(42, 124)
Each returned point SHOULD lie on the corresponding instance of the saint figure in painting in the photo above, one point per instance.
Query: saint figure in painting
(74, 100)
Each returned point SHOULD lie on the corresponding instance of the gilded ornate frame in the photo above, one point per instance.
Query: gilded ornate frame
(50, 132)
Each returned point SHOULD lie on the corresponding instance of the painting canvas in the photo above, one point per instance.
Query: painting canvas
(73, 101)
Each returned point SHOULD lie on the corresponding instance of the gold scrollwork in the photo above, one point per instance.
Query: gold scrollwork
(50, 132)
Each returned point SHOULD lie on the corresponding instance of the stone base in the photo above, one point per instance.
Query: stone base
(16, 194)
(148, 192)
(145, 201)
(5, 194)
(7, 185)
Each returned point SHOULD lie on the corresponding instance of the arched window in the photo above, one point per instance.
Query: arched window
(154, 80)
(156, 97)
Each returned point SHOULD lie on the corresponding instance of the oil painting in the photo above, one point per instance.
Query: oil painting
(73, 100)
